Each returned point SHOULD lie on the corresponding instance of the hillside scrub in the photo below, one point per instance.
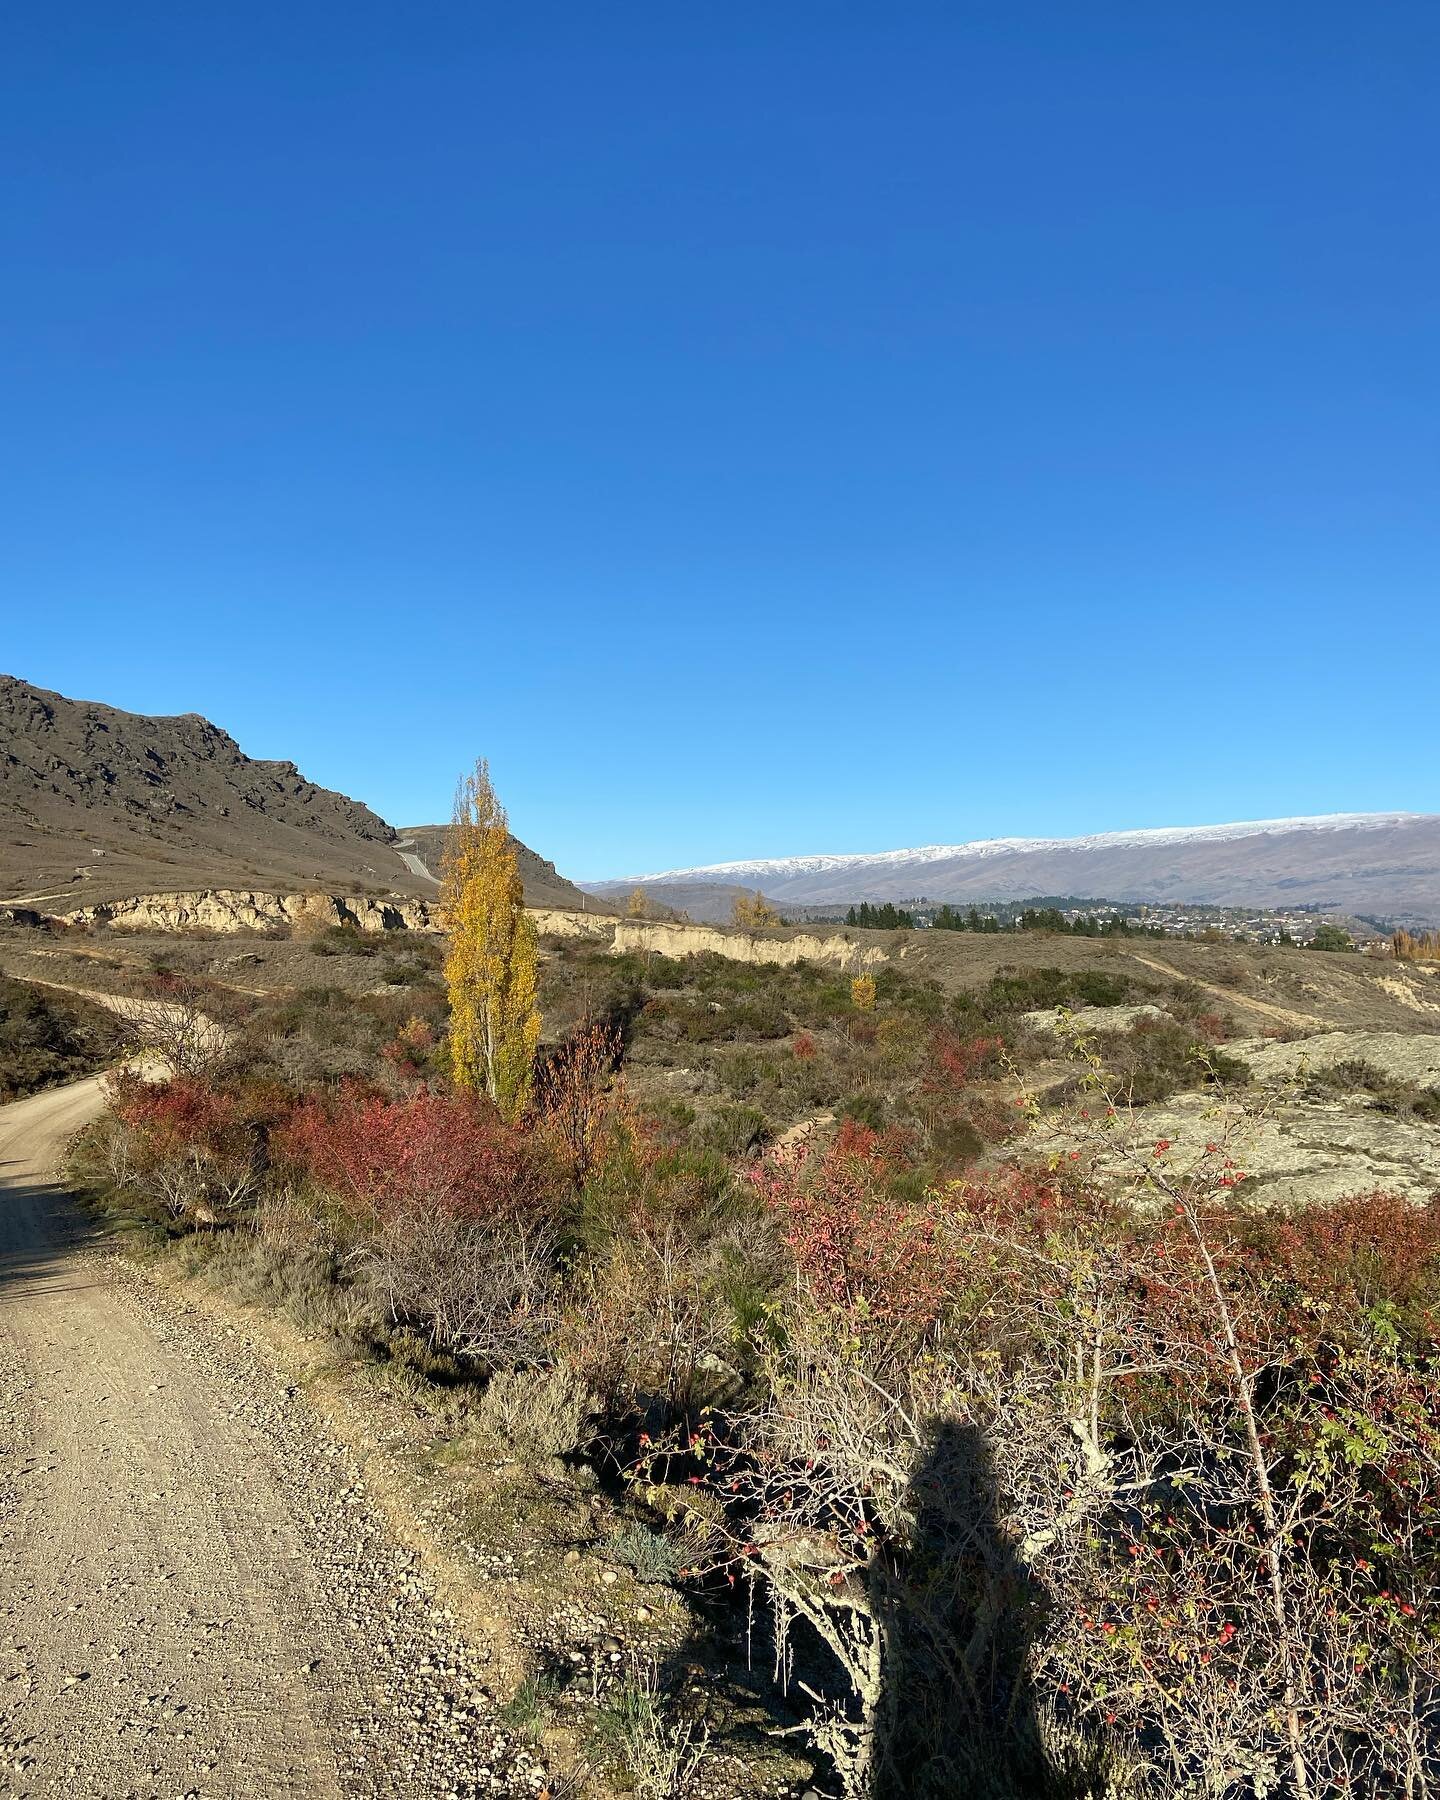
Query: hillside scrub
(47, 1038)
(1036, 1490)
(723, 1054)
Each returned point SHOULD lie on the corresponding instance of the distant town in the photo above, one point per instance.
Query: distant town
(1106, 918)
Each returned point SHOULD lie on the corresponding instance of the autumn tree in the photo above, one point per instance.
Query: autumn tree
(492, 970)
(638, 905)
(862, 993)
(753, 911)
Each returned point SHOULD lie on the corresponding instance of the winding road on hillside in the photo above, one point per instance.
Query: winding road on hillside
(197, 1599)
(414, 863)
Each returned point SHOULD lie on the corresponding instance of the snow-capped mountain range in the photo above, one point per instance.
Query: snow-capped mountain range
(1377, 863)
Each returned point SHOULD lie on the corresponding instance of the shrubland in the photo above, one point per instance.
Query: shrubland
(46, 1038)
(1013, 1482)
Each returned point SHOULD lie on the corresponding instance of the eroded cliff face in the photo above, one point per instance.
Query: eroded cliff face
(667, 939)
(744, 946)
(234, 910)
(560, 922)
(231, 909)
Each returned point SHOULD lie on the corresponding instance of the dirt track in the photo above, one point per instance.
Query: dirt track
(1283, 1015)
(196, 1598)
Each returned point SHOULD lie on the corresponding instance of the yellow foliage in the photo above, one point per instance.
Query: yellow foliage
(638, 905)
(862, 993)
(492, 970)
(753, 912)
(1423, 946)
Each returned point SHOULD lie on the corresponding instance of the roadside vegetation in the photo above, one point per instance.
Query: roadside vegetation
(47, 1038)
(971, 1474)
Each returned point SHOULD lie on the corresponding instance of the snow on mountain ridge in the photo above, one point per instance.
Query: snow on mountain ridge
(787, 866)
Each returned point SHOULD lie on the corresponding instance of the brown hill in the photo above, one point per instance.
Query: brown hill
(544, 884)
(98, 804)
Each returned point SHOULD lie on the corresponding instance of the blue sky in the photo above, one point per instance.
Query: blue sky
(757, 429)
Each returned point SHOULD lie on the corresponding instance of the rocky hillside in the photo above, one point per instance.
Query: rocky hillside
(1385, 864)
(423, 847)
(98, 805)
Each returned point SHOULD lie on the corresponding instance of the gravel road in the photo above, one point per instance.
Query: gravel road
(196, 1596)
(414, 863)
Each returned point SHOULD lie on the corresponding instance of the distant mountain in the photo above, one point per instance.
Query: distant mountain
(98, 804)
(1381, 864)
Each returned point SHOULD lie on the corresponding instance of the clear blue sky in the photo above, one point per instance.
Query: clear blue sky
(758, 428)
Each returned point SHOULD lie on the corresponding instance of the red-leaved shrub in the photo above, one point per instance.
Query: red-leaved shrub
(428, 1152)
(175, 1115)
(1353, 1256)
(856, 1246)
(955, 1061)
(198, 1148)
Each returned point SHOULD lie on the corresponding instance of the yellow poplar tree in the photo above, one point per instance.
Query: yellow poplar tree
(492, 970)
(638, 905)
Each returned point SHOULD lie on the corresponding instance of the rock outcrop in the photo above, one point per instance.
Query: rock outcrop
(97, 805)
(1296, 1146)
(231, 909)
(1294, 1153)
(783, 949)
(664, 938)
(1065, 1022)
(1412, 1056)
(560, 922)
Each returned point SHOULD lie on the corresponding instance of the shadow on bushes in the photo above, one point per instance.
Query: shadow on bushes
(959, 1614)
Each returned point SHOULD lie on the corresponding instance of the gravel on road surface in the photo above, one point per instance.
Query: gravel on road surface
(197, 1596)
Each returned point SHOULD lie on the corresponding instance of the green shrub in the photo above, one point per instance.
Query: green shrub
(648, 1554)
(735, 1129)
(1188, 998)
(865, 1109)
(541, 1413)
(1156, 1058)
(1017, 990)
(741, 1072)
(343, 940)
(1093, 987)
(955, 1142)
